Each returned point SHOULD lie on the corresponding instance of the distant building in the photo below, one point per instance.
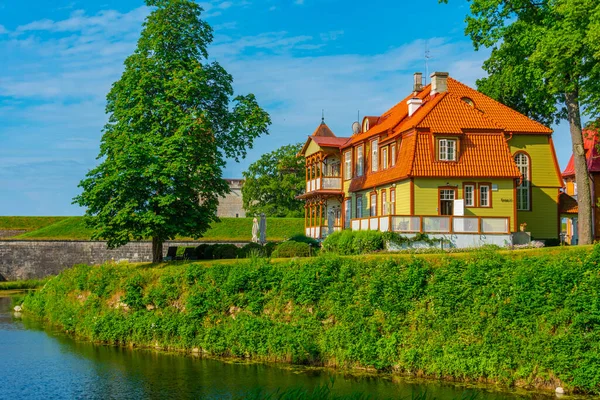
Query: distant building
(232, 206)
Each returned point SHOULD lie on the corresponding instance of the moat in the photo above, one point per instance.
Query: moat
(38, 363)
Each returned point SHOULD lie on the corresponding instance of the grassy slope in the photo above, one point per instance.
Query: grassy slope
(524, 318)
(229, 229)
(28, 223)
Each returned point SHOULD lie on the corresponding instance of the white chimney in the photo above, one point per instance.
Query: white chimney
(413, 105)
(439, 82)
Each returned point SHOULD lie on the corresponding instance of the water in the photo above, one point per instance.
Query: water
(41, 364)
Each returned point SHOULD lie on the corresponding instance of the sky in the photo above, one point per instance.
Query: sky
(58, 60)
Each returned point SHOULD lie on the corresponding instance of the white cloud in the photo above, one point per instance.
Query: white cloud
(3, 30)
(299, 2)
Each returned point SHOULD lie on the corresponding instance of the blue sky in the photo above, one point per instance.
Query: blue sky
(59, 58)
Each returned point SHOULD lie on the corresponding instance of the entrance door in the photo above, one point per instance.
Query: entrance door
(446, 201)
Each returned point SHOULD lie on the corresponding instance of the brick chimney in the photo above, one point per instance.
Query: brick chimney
(413, 105)
(418, 82)
(439, 82)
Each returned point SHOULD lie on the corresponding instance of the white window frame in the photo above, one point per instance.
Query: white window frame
(393, 154)
(484, 201)
(348, 165)
(375, 155)
(347, 213)
(373, 205)
(447, 149)
(360, 160)
(384, 158)
(472, 202)
(359, 207)
(523, 163)
(393, 201)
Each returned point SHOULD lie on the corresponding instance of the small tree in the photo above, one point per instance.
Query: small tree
(170, 129)
(273, 182)
(545, 62)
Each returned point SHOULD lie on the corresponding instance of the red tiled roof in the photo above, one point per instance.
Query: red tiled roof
(323, 131)
(590, 144)
(567, 204)
(329, 141)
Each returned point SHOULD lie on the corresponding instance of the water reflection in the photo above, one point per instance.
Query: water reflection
(42, 364)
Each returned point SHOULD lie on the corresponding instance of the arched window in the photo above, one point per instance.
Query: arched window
(524, 188)
(366, 125)
(468, 101)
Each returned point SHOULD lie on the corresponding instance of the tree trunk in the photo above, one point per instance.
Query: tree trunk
(157, 253)
(584, 196)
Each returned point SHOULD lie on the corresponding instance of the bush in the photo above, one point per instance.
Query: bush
(348, 242)
(225, 251)
(292, 249)
(305, 239)
(270, 248)
(252, 249)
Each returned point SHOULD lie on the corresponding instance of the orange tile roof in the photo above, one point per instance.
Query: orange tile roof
(483, 155)
(590, 143)
(567, 204)
(324, 141)
(511, 120)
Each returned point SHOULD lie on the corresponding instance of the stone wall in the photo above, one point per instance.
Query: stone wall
(21, 259)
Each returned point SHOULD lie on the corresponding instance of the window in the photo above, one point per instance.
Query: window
(469, 194)
(392, 208)
(373, 204)
(523, 190)
(468, 101)
(393, 151)
(447, 150)
(360, 160)
(347, 213)
(359, 206)
(447, 201)
(366, 125)
(384, 158)
(374, 155)
(484, 196)
(348, 165)
(384, 204)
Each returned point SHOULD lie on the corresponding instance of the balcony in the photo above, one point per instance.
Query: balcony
(325, 183)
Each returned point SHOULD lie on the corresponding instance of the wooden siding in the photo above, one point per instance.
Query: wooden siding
(542, 220)
(543, 168)
(427, 197)
(403, 198)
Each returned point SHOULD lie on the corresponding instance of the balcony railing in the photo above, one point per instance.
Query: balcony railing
(320, 232)
(325, 183)
(433, 224)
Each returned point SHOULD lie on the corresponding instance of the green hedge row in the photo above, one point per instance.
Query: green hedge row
(529, 320)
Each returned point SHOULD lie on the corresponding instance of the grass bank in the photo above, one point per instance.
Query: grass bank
(515, 319)
(73, 228)
(25, 284)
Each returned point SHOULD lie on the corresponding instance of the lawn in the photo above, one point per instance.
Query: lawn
(229, 229)
(27, 223)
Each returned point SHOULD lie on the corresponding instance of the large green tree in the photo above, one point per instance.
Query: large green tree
(173, 121)
(545, 62)
(273, 182)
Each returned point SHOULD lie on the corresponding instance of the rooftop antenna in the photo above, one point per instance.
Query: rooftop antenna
(322, 116)
(427, 57)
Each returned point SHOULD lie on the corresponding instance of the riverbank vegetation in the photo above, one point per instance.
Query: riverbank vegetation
(24, 284)
(526, 318)
(73, 228)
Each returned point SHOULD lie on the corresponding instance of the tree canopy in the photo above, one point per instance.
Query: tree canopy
(172, 123)
(545, 63)
(273, 182)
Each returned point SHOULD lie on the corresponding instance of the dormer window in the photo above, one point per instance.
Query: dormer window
(366, 125)
(447, 149)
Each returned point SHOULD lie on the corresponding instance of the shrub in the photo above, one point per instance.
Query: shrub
(304, 239)
(348, 242)
(292, 249)
(252, 249)
(200, 251)
(208, 252)
(225, 251)
(270, 248)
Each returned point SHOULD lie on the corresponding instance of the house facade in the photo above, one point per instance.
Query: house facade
(447, 160)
